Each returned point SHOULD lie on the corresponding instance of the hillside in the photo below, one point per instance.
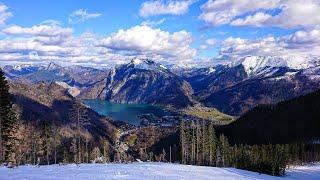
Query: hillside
(288, 121)
(42, 102)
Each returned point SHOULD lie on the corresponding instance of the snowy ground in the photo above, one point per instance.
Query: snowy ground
(140, 171)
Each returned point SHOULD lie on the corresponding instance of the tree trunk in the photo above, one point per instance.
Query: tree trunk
(79, 143)
(1, 143)
(170, 154)
(87, 154)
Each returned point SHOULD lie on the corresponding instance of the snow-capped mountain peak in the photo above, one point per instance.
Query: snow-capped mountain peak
(146, 64)
(53, 66)
(255, 64)
(302, 62)
(211, 70)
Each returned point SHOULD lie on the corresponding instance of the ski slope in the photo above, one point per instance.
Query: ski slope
(141, 171)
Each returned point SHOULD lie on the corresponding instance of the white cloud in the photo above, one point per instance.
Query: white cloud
(42, 43)
(153, 23)
(257, 19)
(306, 42)
(48, 33)
(153, 43)
(203, 47)
(4, 14)
(219, 12)
(211, 41)
(161, 7)
(38, 30)
(82, 15)
(291, 14)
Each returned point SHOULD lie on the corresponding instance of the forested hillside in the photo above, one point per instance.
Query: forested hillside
(289, 121)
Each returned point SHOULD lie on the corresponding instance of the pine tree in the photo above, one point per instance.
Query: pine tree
(73, 149)
(8, 122)
(193, 143)
(198, 144)
(46, 141)
(212, 140)
(182, 141)
(164, 154)
(78, 114)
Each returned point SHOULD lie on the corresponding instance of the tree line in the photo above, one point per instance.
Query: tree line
(201, 146)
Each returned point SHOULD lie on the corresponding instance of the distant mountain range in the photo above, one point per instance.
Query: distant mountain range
(76, 76)
(236, 88)
(233, 88)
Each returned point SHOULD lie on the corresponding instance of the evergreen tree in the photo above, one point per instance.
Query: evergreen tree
(78, 114)
(183, 142)
(46, 141)
(198, 144)
(212, 141)
(193, 143)
(8, 122)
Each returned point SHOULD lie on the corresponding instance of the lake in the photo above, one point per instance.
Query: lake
(124, 112)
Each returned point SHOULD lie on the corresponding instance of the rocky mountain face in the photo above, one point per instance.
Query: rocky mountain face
(234, 89)
(142, 81)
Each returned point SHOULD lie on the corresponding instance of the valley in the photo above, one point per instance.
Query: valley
(160, 89)
(135, 110)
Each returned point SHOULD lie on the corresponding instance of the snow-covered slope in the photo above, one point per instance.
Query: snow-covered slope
(141, 171)
(255, 64)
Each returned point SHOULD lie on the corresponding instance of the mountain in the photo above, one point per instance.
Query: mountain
(143, 81)
(15, 71)
(237, 88)
(233, 89)
(43, 102)
(72, 77)
(294, 120)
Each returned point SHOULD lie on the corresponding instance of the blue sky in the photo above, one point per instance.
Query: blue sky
(205, 29)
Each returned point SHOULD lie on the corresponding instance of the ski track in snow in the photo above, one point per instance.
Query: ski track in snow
(150, 171)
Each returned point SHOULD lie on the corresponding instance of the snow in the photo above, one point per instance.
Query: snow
(302, 62)
(211, 70)
(147, 64)
(141, 171)
(254, 64)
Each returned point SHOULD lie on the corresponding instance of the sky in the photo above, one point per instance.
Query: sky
(179, 32)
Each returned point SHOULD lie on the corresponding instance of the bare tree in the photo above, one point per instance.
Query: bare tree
(106, 151)
(87, 142)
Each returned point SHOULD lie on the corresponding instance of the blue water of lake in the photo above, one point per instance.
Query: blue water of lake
(124, 112)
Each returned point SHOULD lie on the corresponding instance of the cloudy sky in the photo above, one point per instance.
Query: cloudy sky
(109, 32)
